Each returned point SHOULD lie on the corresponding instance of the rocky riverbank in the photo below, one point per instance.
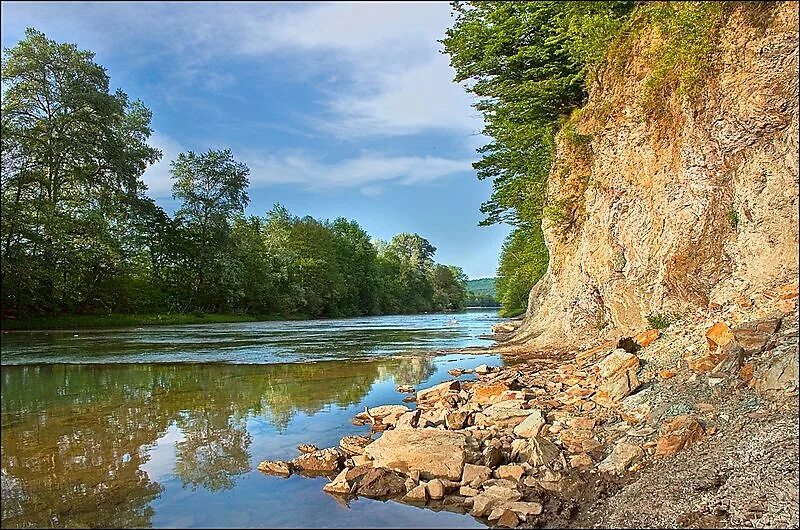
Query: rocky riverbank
(693, 426)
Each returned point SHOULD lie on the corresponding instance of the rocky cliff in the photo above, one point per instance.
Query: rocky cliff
(667, 212)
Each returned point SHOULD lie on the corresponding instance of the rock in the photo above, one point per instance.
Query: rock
(510, 471)
(485, 393)
(338, 485)
(622, 456)
(507, 413)
(493, 456)
(777, 374)
(432, 418)
(381, 482)
(491, 497)
(405, 389)
(719, 335)
(354, 445)
(484, 369)
(581, 461)
(467, 491)
(456, 372)
(503, 327)
(307, 448)
(321, 461)
(681, 432)
(754, 336)
(409, 399)
(428, 397)
(275, 467)
(636, 408)
(531, 425)
(474, 475)
(617, 377)
(417, 494)
(355, 474)
(435, 489)
(456, 419)
(408, 420)
(646, 338)
(543, 452)
(666, 374)
(508, 520)
(524, 509)
(433, 452)
(361, 460)
(386, 414)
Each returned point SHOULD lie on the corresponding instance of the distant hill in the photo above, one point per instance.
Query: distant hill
(481, 293)
(481, 286)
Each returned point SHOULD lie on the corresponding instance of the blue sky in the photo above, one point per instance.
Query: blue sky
(339, 109)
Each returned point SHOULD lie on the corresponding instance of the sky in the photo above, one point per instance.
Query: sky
(338, 109)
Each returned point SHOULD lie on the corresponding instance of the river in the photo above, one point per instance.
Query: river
(164, 426)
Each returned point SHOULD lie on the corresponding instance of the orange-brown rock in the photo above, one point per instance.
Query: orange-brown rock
(488, 392)
(746, 372)
(705, 362)
(680, 433)
(666, 374)
(719, 335)
(583, 358)
(646, 338)
(616, 377)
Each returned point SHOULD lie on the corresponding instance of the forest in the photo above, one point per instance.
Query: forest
(80, 236)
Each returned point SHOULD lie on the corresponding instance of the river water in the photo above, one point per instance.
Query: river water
(164, 426)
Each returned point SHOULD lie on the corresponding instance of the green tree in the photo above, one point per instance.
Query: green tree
(73, 154)
(212, 188)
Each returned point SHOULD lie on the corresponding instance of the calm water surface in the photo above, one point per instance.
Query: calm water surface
(165, 426)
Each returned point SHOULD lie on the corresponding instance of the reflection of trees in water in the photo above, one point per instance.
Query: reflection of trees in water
(74, 436)
(408, 370)
(213, 451)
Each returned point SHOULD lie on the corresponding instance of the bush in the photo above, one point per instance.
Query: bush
(658, 320)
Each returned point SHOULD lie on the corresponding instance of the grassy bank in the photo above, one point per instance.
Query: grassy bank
(122, 320)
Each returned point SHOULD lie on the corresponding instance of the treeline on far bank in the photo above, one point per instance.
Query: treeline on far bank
(80, 236)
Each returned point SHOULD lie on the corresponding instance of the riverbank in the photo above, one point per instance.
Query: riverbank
(692, 426)
(79, 322)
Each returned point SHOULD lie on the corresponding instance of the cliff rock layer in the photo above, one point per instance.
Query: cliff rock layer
(670, 211)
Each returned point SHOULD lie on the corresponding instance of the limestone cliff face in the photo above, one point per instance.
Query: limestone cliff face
(670, 213)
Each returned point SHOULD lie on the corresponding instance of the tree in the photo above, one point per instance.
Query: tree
(212, 188)
(73, 154)
(449, 288)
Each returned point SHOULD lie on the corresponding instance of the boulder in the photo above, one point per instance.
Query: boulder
(386, 414)
(617, 377)
(485, 393)
(503, 327)
(467, 491)
(381, 483)
(307, 448)
(719, 335)
(324, 461)
(417, 494)
(405, 389)
(492, 496)
(524, 509)
(428, 397)
(681, 432)
(275, 467)
(510, 471)
(508, 519)
(777, 374)
(581, 461)
(493, 456)
(508, 413)
(456, 419)
(338, 485)
(621, 457)
(354, 445)
(531, 425)
(408, 420)
(433, 452)
(475, 475)
(484, 369)
(436, 489)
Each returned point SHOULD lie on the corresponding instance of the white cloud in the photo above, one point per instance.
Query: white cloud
(157, 176)
(366, 171)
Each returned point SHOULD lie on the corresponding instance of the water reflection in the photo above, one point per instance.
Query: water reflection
(75, 437)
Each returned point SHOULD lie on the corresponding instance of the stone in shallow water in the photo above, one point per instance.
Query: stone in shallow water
(433, 452)
(275, 467)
